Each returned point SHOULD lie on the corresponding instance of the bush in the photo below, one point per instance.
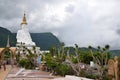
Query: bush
(57, 66)
(86, 57)
(63, 69)
(51, 63)
(26, 64)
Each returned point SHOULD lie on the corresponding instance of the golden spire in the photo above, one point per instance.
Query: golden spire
(24, 19)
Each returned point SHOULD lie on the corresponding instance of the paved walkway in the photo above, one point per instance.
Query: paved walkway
(27, 79)
(28, 75)
(10, 72)
(3, 73)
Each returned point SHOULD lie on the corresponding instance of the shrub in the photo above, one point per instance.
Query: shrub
(26, 64)
(63, 69)
(57, 66)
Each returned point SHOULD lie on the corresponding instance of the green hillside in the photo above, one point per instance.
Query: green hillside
(4, 35)
(45, 40)
(115, 52)
(84, 49)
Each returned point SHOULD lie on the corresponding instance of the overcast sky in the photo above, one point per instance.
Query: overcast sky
(84, 22)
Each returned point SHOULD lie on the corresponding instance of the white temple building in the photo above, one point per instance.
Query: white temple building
(23, 35)
(25, 45)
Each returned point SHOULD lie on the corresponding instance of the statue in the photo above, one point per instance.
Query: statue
(113, 68)
(116, 67)
(23, 35)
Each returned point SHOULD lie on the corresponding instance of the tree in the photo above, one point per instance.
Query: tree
(85, 57)
(75, 66)
(101, 59)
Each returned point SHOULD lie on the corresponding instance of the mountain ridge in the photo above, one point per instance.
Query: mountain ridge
(42, 40)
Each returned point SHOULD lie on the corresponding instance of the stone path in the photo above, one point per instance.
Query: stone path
(27, 79)
(28, 75)
(9, 74)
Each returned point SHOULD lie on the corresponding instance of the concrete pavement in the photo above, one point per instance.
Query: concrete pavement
(3, 73)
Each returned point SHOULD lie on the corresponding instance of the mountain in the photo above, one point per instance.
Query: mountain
(43, 40)
(115, 52)
(81, 49)
(4, 36)
(84, 49)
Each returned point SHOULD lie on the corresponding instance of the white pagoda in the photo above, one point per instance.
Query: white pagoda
(23, 35)
(25, 45)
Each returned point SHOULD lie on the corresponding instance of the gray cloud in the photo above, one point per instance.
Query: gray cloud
(86, 22)
(70, 8)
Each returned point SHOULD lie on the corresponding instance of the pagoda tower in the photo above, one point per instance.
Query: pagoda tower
(23, 35)
(25, 45)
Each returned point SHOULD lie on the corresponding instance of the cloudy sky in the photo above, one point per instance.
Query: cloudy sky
(85, 22)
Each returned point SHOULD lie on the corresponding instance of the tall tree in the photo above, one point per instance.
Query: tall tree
(75, 66)
(101, 59)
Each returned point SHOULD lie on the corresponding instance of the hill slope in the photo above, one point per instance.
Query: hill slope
(4, 35)
(115, 52)
(45, 40)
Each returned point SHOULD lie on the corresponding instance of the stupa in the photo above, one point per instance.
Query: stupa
(25, 45)
(23, 35)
